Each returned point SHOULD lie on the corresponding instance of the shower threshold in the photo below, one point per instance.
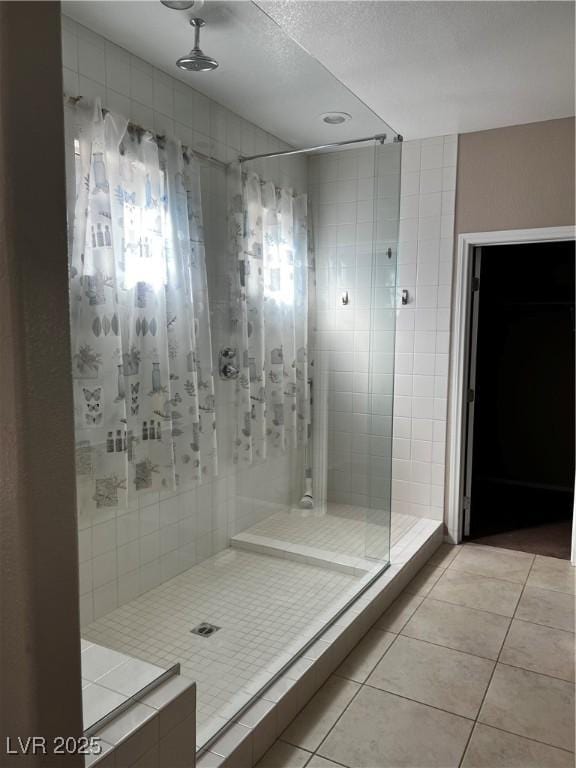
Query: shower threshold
(267, 610)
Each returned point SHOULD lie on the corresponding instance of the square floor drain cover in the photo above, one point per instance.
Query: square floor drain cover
(205, 629)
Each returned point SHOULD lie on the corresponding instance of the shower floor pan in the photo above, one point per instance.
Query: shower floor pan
(266, 610)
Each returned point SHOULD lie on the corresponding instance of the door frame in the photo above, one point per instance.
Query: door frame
(460, 332)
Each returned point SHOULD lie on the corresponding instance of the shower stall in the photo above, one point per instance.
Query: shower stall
(233, 329)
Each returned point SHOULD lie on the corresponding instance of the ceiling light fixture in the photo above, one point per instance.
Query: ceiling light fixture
(178, 5)
(335, 118)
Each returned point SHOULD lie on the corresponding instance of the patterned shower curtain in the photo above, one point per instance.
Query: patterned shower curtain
(270, 316)
(142, 361)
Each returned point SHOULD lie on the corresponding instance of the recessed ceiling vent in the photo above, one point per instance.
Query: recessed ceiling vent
(335, 118)
(182, 5)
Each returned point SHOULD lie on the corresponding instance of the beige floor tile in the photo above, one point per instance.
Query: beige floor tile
(395, 618)
(495, 562)
(321, 762)
(475, 591)
(431, 674)
(424, 580)
(282, 755)
(387, 731)
(552, 573)
(491, 748)
(540, 649)
(531, 705)
(319, 715)
(457, 627)
(362, 660)
(444, 555)
(544, 606)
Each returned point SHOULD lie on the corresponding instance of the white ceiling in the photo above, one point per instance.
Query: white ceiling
(434, 68)
(263, 75)
(427, 68)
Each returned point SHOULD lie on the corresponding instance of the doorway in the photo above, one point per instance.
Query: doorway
(519, 418)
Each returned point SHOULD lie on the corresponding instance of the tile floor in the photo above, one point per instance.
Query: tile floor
(267, 609)
(471, 666)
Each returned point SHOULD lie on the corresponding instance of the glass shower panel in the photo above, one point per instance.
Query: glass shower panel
(270, 329)
(355, 196)
(381, 341)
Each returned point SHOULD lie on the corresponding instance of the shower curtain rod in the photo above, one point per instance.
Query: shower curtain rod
(379, 137)
(159, 137)
(209, 158)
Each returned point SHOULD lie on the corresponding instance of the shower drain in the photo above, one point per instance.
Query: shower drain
(205, 629)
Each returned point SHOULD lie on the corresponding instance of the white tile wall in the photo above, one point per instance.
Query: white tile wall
(355, 197)
(425, 250)
(342, 191)
(124, 554)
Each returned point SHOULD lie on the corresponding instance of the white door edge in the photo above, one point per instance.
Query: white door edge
(459, 336)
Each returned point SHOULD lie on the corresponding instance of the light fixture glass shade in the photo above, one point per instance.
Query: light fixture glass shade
(178, 5)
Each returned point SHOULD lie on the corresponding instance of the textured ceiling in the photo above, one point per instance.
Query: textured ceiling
(433, 68)
(426, 68)
(263, 75)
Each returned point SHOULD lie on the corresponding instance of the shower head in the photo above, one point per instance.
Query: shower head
(196, 60)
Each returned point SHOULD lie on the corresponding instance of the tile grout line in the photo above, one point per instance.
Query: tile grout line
(496, 666)
(421, 703)
(372, 629)
(460, 605)
(496, 662)
(528, 738)
(480, 610)
(533, 672)
(472, 720)
(362, 685)
(548, 626)
(365, 684)
(449, 647)
(438, 645)
(485, 576)
(336, 762)
(398, 634)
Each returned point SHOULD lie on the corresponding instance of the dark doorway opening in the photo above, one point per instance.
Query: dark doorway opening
(520, 457)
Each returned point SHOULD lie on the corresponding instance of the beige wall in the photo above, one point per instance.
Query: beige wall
(516, 178)
(40, 686)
